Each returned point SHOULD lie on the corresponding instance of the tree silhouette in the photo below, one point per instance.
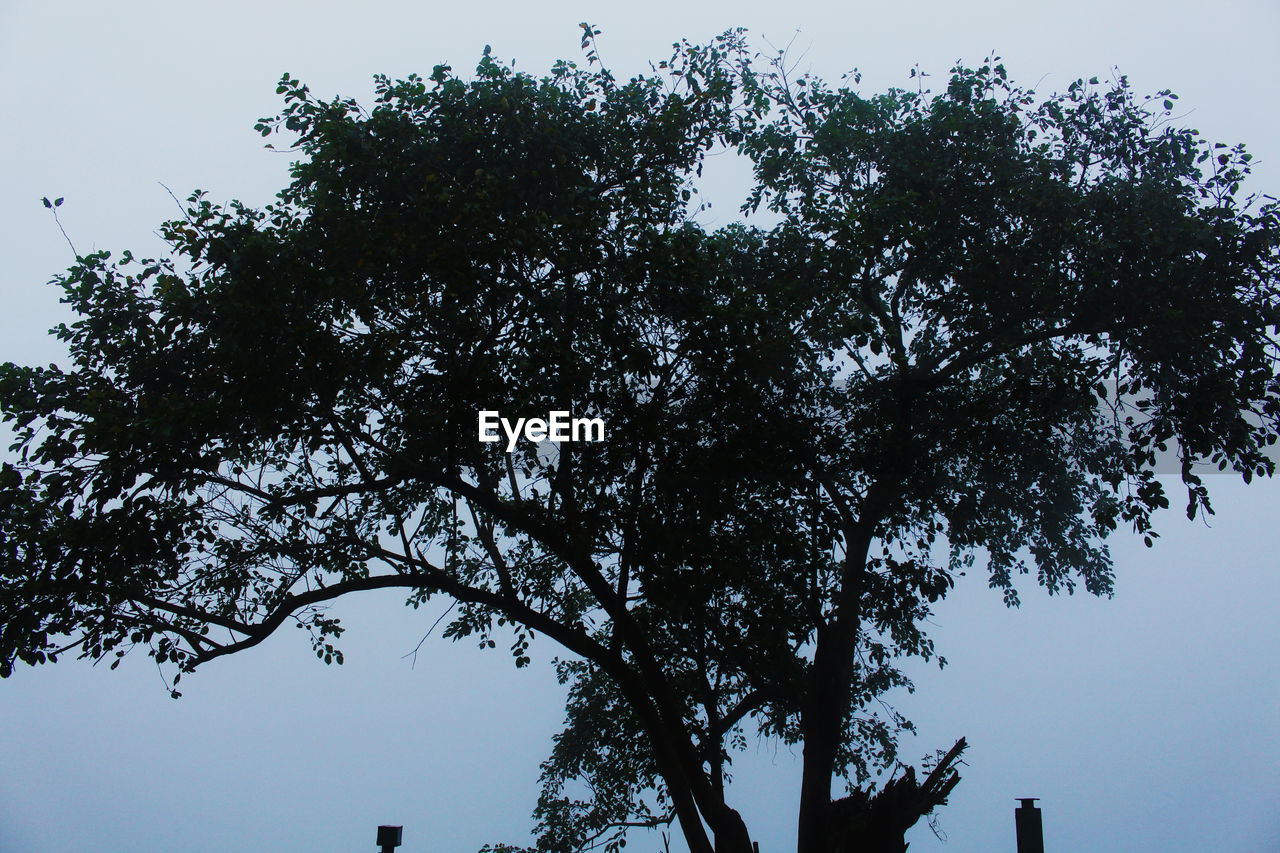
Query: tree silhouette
(978, 318)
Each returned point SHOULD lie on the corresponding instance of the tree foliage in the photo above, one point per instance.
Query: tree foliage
(978, 318)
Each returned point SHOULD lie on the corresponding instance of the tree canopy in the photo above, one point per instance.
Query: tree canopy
(976, 319)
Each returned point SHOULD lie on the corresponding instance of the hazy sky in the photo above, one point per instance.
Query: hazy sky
(1148, 722)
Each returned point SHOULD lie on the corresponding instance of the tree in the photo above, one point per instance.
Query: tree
(978, 318)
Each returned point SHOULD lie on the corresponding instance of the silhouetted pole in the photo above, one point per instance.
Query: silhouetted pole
(389, 838)
(1026, 818)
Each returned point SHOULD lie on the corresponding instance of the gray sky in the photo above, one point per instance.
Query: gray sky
(1147, 722)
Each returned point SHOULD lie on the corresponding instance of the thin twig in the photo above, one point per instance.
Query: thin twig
(54, 208)
(430, 631)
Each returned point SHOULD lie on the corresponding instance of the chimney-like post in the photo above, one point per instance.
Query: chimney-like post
(389, 838)
(1026, 818)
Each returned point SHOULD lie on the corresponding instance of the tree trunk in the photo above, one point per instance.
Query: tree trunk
(731, 833)
(821, 724)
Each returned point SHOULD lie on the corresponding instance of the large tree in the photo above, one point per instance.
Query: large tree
(978, 317)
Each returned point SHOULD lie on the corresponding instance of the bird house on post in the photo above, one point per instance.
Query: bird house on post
(1026, 818)
(389, 838)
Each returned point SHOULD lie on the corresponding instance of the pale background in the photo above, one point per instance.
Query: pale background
(1145, 723)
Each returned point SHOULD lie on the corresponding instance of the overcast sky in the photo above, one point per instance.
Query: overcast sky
(1148, 722)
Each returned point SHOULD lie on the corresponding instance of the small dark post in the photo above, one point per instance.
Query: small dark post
(389, 838)
(1026, 818)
